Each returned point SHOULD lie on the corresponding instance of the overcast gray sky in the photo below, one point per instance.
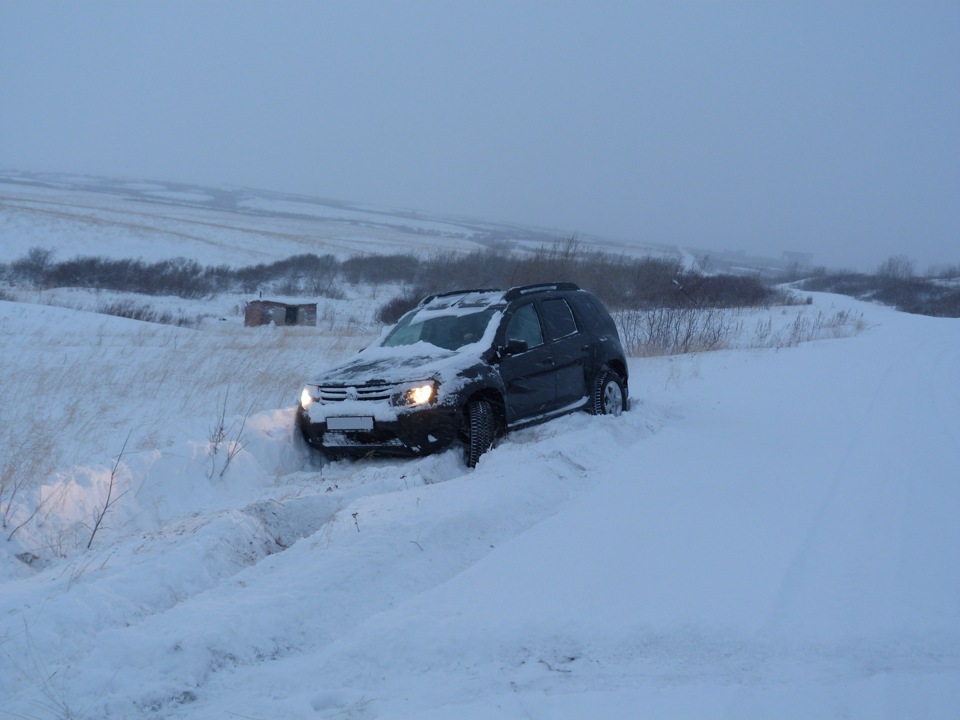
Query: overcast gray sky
(831, 127)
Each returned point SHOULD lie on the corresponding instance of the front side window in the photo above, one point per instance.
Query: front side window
(524, 325)
(558, 318)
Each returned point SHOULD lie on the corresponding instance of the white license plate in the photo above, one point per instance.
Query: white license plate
(349, 423)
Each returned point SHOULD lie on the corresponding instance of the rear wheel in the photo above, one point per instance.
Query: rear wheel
(480, 430)
(607, 394)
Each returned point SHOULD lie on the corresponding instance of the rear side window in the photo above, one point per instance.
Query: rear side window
(558, 318)
(594, 314)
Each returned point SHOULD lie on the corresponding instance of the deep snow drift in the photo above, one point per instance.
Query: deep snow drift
(767, 533)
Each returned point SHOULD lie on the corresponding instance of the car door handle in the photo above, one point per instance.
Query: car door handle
(547, 361)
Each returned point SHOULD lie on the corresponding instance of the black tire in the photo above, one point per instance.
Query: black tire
(480, 430)
(608, 394)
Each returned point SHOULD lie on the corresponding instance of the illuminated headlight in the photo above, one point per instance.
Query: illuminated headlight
(306, 398)
(420, 394)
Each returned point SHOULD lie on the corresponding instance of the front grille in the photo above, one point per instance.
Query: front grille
(364, 392)
(360, 440)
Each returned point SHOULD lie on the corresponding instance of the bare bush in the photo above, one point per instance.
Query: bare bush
(326, 286)
(392, 310)
(127, 308)
(675, 331)
(290, 287)
(945, 272)
(842, 323)
(897, 267)
(108, 502)
(726, 291)
(34, 266)
(227, 438)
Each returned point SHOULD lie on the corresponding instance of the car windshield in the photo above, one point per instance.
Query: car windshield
(445, 329)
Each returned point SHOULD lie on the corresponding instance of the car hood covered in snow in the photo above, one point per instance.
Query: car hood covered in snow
(380, 365)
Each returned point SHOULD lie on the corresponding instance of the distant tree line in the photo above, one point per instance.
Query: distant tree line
(621, 282)
(177, 277)
(895, 283)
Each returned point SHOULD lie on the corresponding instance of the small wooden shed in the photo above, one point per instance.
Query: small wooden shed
(264, 312)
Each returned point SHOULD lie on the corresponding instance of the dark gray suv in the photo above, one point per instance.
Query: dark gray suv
(468, 366)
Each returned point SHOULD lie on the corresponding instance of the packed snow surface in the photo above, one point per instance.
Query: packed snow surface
(767, 533)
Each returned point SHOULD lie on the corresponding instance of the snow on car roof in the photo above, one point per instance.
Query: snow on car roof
(459, 303)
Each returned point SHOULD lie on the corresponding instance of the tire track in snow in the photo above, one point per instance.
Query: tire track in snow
(384, 532)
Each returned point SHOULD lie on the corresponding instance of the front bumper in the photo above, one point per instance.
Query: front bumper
(418, 432)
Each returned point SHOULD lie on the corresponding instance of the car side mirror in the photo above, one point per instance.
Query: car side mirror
(515, 347)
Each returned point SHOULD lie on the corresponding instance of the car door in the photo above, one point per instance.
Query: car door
(528, 378)
(570, 348)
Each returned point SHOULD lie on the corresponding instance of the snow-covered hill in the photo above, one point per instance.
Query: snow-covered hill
(156, 220)
(768, 533)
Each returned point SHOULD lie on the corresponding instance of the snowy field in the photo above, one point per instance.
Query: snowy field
(153, 221)
(770, 532)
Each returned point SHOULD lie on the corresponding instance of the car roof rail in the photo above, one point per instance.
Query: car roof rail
(517, 292)
(430, 298)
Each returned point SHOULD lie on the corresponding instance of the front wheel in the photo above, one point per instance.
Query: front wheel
(608, 394)
(480, 430)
